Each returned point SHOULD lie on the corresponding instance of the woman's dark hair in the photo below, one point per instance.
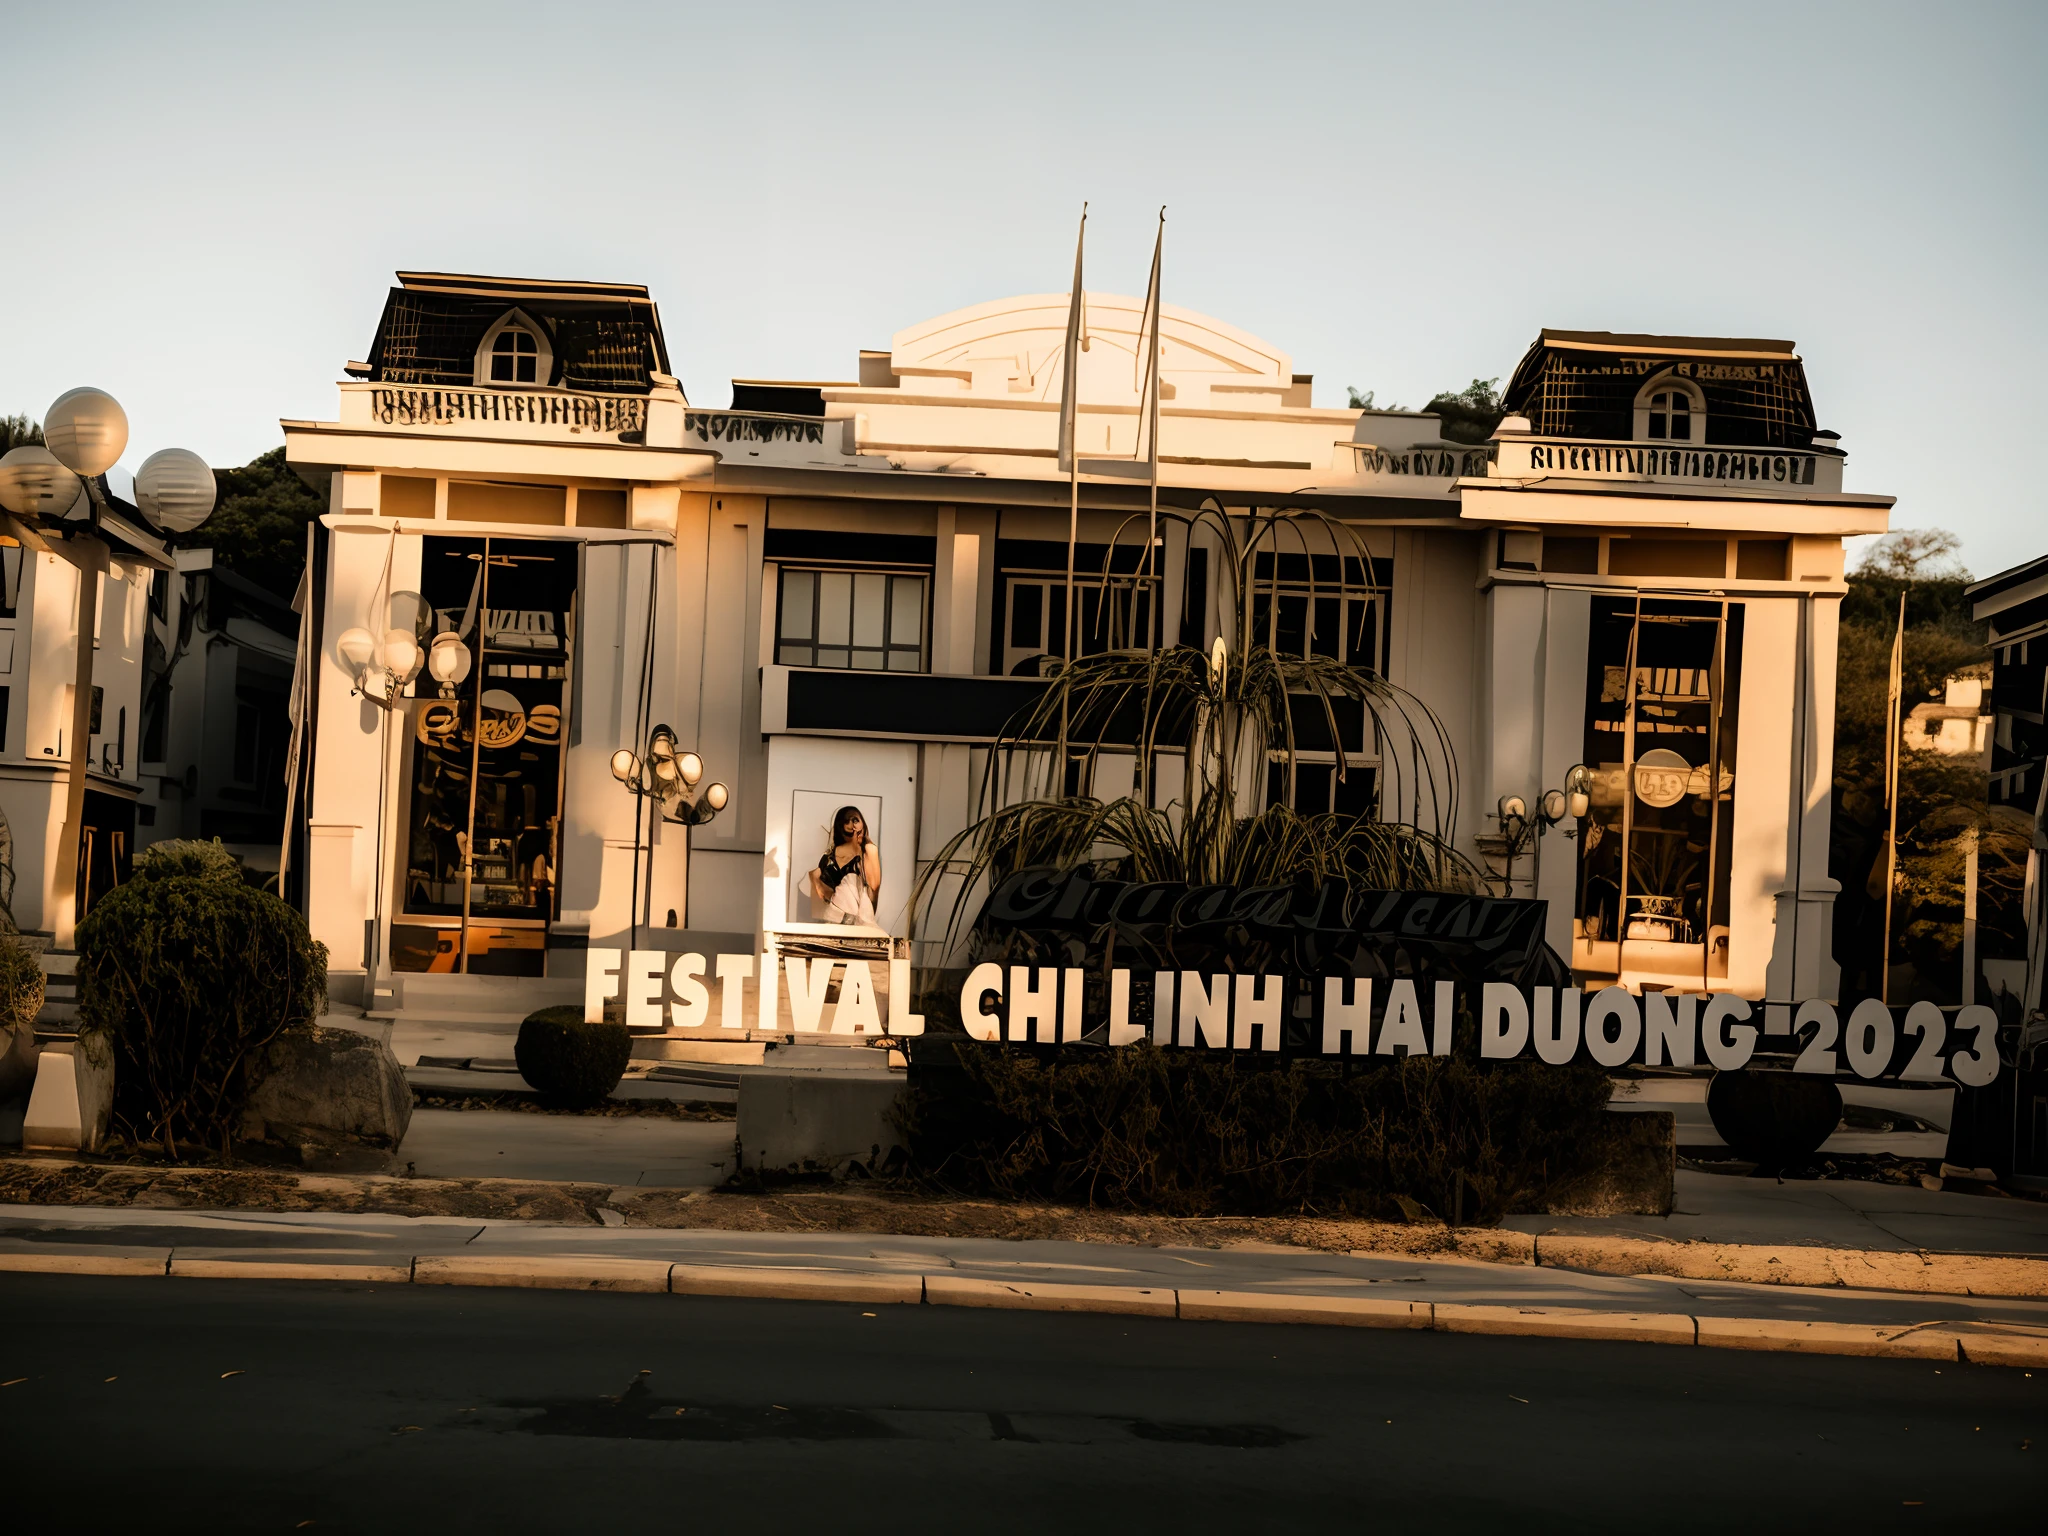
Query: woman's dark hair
(839, 824)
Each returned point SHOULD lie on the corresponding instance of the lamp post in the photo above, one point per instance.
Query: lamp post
(85, 432)
(667, 778)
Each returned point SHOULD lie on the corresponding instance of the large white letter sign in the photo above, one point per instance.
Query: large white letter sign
(1980, 1065)
(1162, 1007)
(1342, 1017)
(644, 970)
(600, 982)
(1073, 982)
(982, 980)
(855, 1013)
(1503, 1021)
(1728, 1042)
(1402, 1023)
(733, 971)
(901, 1020)
(1870, 1037)
(1441, 1017)
(1256, 1005)
(1554, 1020)
(809, 982)
(692, 1007)
(1667, 1034)
(1204, 1010)
(1617, 1004)
(1033, 1008)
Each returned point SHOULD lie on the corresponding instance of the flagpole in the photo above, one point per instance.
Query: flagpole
(1893, 698)
(1070, 416)
(1152, 437)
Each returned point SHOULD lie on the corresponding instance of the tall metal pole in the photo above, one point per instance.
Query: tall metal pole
(1891, 797)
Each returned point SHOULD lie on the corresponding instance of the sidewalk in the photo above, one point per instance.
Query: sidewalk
(1243, 1284)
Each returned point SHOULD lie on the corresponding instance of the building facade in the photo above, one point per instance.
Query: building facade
(839, 591)
(38, 668)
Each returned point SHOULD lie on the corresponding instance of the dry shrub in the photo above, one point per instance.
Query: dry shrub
(1189, 1133)
(188, 973)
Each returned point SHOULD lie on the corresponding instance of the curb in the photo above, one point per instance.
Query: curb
(1865, 1269)
(1121, 1300)
(1989, 1343)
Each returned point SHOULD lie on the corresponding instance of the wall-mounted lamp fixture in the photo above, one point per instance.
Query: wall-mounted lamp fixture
(1519, 829)
(669, 778)
(399, 658)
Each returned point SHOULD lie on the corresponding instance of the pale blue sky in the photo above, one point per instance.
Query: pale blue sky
(205, 203)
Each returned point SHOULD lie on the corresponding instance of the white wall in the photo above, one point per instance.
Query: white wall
(847, 769)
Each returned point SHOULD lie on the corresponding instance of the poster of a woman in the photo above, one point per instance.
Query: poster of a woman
(848, 878)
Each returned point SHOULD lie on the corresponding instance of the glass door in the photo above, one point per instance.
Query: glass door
(484, 803)
(1661, 722)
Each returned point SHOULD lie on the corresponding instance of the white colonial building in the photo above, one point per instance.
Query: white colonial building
(838, 592)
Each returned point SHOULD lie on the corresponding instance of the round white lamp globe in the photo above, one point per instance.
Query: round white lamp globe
(33, 483)
(87, 430)
(356, 647)
(175, 490)
(448, 661)
(715, 796)
(402, 654)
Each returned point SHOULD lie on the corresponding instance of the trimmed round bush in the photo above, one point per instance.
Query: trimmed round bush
(569, 1062)
(188, 974)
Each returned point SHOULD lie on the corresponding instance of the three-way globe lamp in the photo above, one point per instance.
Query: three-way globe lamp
(85, 432)
(667, 775)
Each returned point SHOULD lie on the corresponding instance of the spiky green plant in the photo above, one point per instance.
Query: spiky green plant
(1226, 714)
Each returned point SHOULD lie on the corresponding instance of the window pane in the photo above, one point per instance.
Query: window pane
(870, 591)
(526, 370)
(1027, 615)
(798, 588)
(1681, 427)
(831, 658)
(906, 610)
(1359, 635)
(501, 368)
(867, 661)
(835, 600)
(1056, 620)
(1354, 796)
(794, 655)
(1290, 627)
(903, 661)
(1329, 631)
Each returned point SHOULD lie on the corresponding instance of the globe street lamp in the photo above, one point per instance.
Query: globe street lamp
(57, 504)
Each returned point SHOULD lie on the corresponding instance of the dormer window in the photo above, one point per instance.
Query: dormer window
(1671, 410)
(515, 357)
(515, 353)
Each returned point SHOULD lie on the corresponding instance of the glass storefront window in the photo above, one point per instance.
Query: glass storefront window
(1661, 724)
(484, 803)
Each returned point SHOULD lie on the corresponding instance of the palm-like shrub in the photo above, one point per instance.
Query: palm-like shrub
(188, 973)
(1225, 714)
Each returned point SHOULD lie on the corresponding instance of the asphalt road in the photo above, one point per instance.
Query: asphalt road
(269, 1406)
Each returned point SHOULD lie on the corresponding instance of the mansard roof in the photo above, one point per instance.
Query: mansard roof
(1585, 383)
(605, 337)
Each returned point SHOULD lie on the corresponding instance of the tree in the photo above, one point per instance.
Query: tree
(1942, 799)
(1469, 414)
(258, 527)
(1913, 554)
(1364, 402)
(18, 431)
